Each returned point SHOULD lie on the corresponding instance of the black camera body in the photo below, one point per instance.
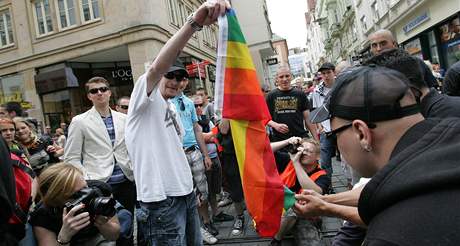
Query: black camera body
(292, 148)
(95, 202)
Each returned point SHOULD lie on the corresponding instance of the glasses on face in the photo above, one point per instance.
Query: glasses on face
(333, 133)
(101, 89)
(124, 106)
(179, 76)
(198, 105)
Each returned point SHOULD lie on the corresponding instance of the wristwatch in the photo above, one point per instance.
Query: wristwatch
(195, 26)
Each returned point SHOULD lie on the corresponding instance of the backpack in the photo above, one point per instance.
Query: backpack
(23, 175)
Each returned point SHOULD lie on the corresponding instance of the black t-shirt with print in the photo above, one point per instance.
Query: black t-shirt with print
(287, 107)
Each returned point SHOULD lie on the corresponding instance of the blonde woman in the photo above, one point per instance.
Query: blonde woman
(42, 151)
(61, 139)
(54, 225)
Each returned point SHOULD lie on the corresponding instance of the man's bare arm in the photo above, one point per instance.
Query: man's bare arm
(206, 14)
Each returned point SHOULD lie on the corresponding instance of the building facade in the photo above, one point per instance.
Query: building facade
(253, 18)
(428, 29)
(315, 45)
(50, 48)
(281, 57)
(339, 31)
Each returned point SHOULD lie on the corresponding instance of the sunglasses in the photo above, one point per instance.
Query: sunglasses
(198, 105)
(101, 89)
(333, 133)
(124, 106)
(178, 75)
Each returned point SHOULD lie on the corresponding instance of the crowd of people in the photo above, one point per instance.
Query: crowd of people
(166, 159)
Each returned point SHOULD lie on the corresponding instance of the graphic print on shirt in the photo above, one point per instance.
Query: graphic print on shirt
(170, 120)
(286, 104)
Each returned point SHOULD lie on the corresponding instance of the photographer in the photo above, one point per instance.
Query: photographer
(302, 172)
(54, 224)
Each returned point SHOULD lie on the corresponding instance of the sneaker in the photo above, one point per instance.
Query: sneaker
(275, 242)
(221, 217)
(238, 226)
(208, 238)
(211, 229)
(225, 202)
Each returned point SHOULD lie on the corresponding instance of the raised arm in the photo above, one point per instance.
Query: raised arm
(206, 14)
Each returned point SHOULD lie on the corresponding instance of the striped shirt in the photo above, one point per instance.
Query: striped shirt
(117, 175)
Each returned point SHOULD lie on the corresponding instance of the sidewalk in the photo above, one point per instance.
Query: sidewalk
(250, 237)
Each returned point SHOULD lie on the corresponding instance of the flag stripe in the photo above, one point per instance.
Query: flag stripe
(221, 61)
(238, 56)
(236, 82)
(251, 107)
(234, 31)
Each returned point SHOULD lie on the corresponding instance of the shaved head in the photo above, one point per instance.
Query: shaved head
(382, 40)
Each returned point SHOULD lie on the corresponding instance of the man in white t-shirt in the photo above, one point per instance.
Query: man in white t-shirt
(328, 146)
(168, 213)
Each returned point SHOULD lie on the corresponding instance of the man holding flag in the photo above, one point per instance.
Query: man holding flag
(168, 214)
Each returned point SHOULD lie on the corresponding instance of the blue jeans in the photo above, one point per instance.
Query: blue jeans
(173, 221)
(327, 151)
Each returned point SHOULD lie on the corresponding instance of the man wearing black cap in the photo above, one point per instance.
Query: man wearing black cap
(432, 103)
(328, 145)
(289, 109)
(413, 196)
(168, 214)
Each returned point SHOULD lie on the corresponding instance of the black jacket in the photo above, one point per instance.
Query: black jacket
(415, 198)
(435, 105)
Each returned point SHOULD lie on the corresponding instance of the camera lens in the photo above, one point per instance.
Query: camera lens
(103, 206)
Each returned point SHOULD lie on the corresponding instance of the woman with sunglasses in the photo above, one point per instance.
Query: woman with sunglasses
(42, 151)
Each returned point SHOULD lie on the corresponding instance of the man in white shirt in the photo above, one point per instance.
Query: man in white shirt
(168, 214)
(328, 145)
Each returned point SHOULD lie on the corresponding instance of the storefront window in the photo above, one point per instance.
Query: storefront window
(414, 48)
(55, 107)
(12, 90)
(450, 39)
(433, 47)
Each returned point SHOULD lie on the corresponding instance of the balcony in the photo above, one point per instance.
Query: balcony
(335, 30)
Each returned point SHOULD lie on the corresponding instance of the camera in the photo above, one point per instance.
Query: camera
(95, 202)
(292, 148)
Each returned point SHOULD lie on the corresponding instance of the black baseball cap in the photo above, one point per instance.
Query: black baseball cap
(326, 66)
(369, 93)
(178, 65)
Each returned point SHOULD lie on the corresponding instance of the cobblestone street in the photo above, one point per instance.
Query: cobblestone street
(250, 237)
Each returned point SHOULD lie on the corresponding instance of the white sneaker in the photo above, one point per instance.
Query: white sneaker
(208, 238)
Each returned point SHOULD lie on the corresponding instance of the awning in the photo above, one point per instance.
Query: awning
(55, 80)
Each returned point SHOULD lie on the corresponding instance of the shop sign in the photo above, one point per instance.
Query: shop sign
(272, 61)
(416, 22)
(15, 96)
(123, 73)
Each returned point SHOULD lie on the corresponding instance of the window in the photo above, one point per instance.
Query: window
(89, 10)
(65, 10)
(6, 30)
(173, 15)
(375, 11)
(42, 14)
(363, 23)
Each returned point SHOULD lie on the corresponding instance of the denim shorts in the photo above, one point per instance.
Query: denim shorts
(173, 221)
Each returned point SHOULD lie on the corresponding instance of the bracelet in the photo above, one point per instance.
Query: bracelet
(61, 242)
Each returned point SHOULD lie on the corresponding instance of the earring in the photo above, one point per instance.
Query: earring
(368, 148)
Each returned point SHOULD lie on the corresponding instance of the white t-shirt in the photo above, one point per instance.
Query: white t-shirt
(317, 98)
(152, 137)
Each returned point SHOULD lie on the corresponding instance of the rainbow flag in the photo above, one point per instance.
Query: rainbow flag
(239, 96)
